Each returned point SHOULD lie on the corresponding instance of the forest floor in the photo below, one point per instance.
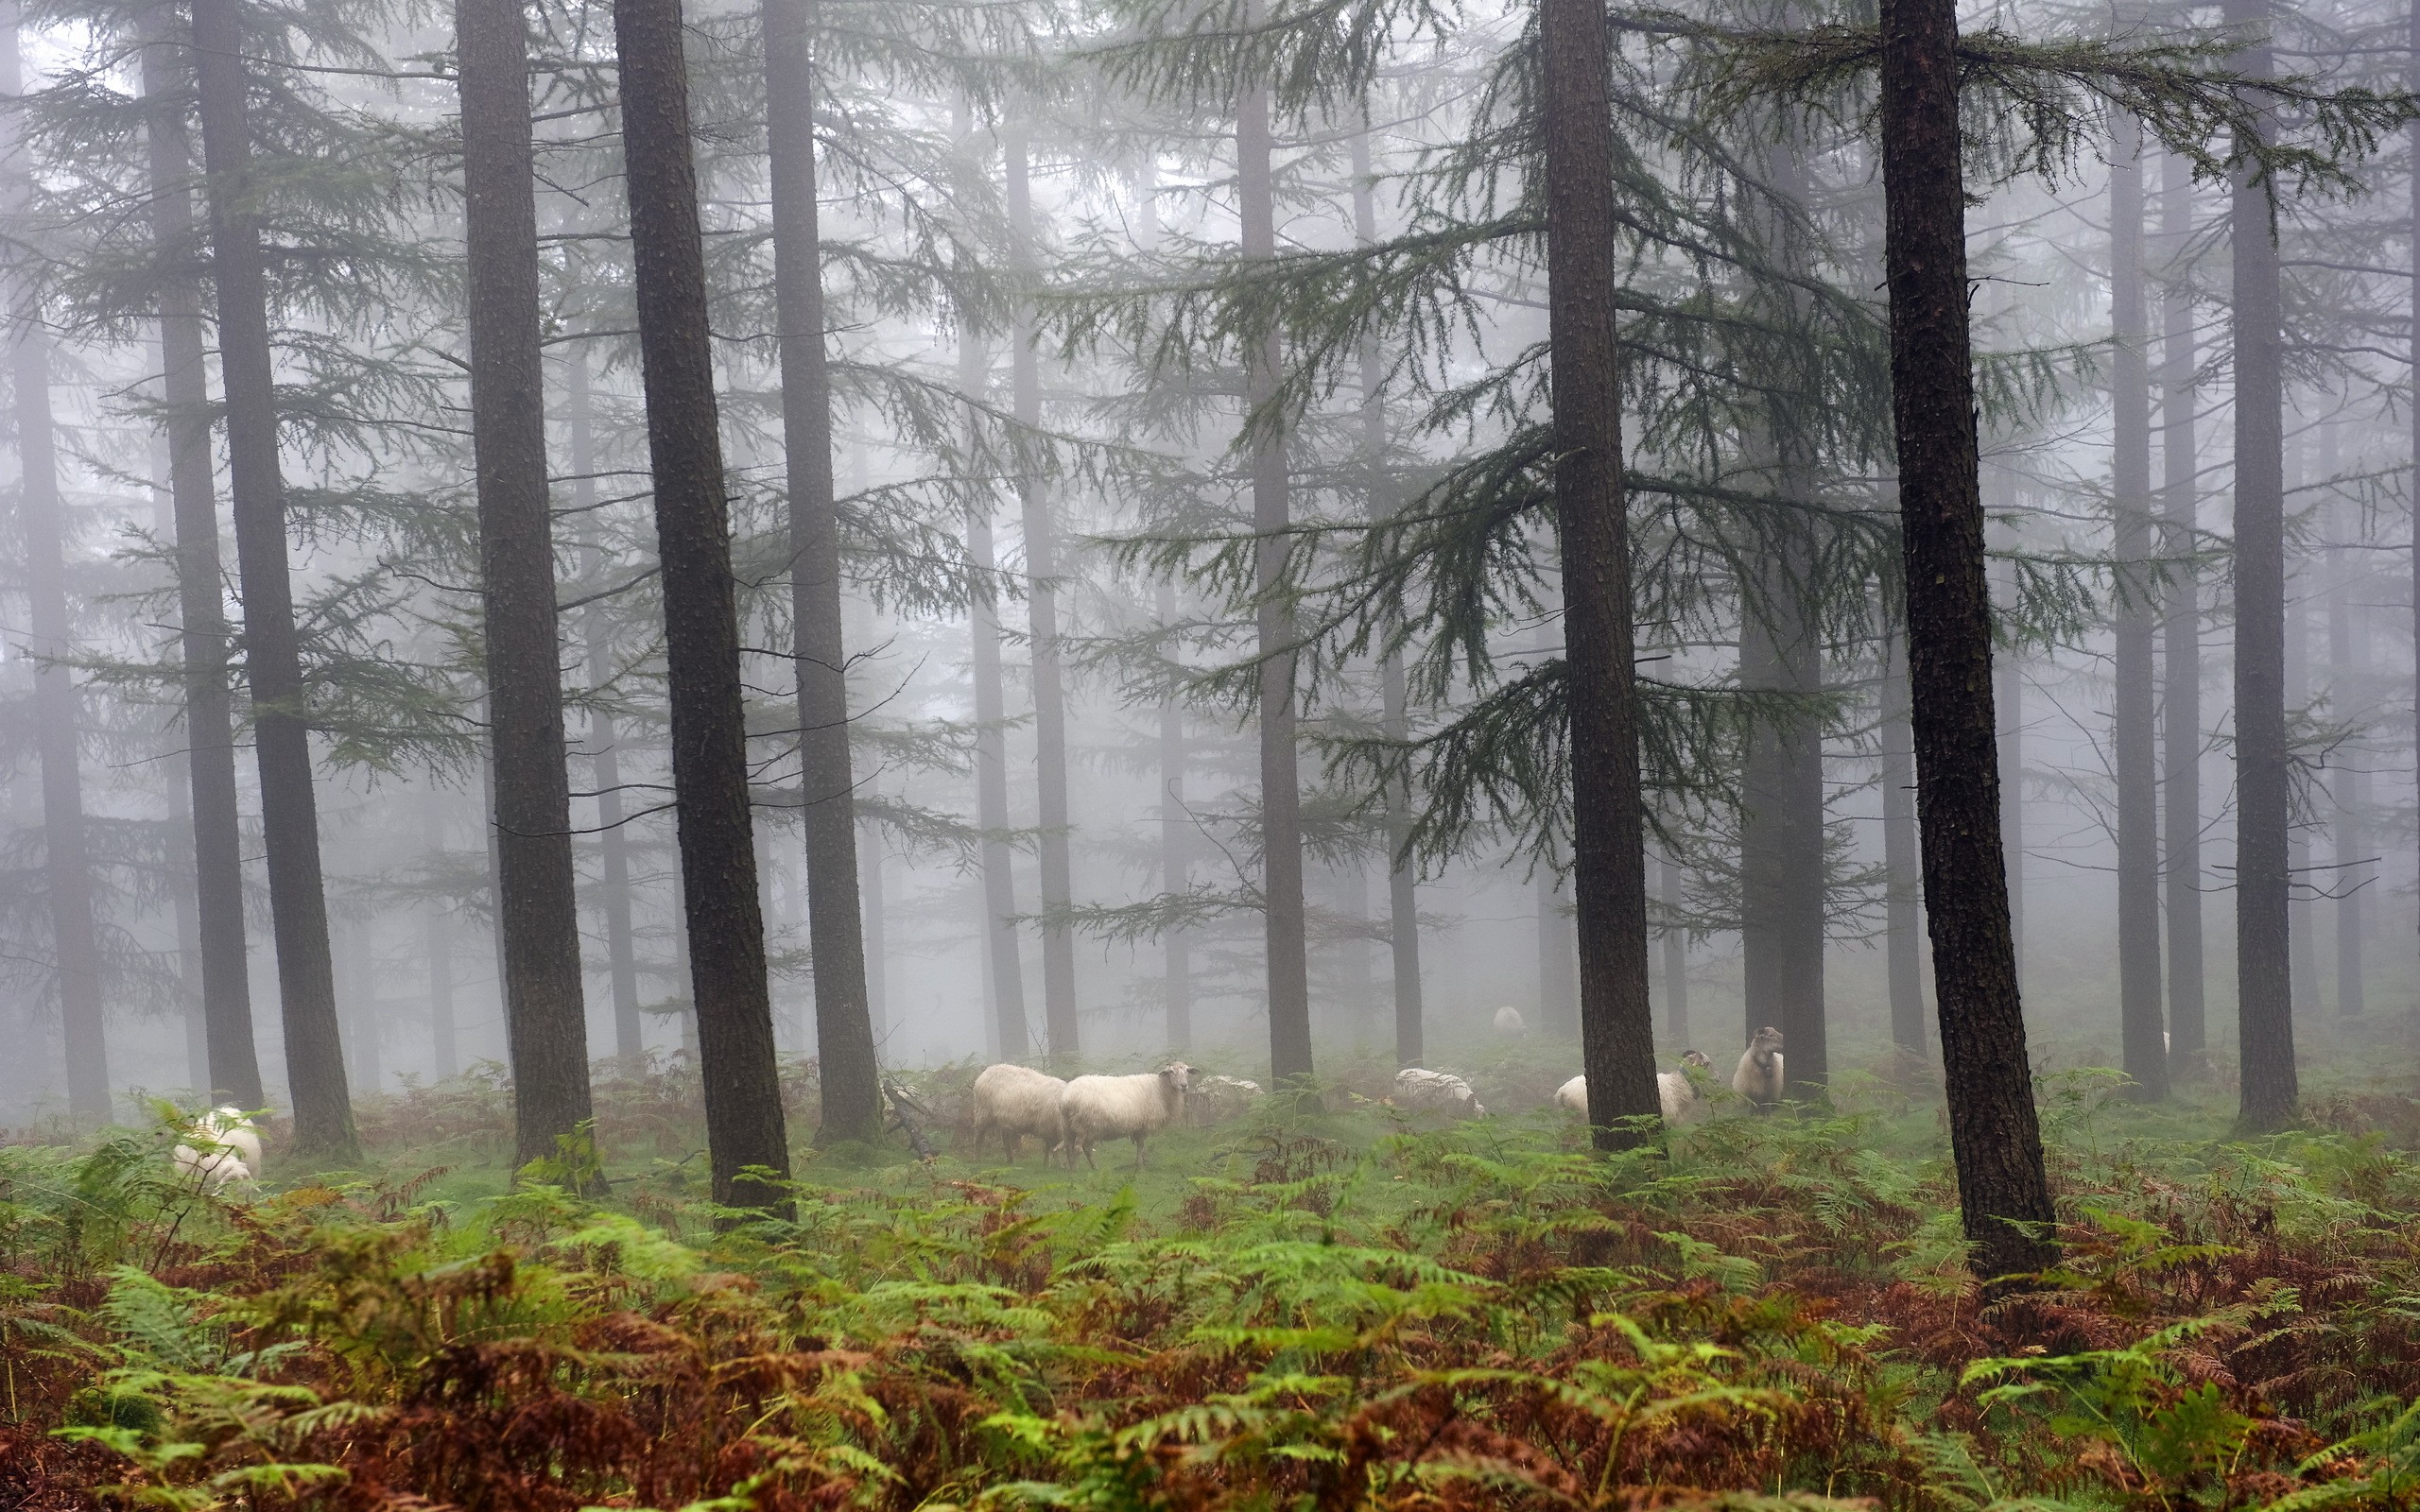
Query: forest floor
(1335, 1310)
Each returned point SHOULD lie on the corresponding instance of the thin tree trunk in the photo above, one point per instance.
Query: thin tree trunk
(2135, 726)
(1609, 865)
(726, 928)
(1002, 953)
(546, 1014)
(1280, 796)
(2264, 986)
(2004, 1192)
(604, 740)
(1402, 878)
(2181, 633)
(1902, 869)
(2346, 656)
(1176, 946)
(67, 869)
(190, 1007)
(233, 1063)
(1042, 626)
(324, 1132)
(1676, 954)
(834, 927)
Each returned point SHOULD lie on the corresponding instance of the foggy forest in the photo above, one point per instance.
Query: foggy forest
(1120, 754)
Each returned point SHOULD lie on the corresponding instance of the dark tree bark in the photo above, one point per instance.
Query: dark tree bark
(324, 1132)
(604, 740)
(2264, 988)
(1902, 869)
(1403, 877)
(2181, 633)
(2003, 1186)
(2135, 725)
(233, 1058)
(2347, 784)
(1676, 954)
(2301, 927)
(546, 1015)
(1042, 629)
(726, 928)
(835, 926)
(67, 869)
(1002, 951)
(1175, 852)
(1281, 796)
(1609, 863)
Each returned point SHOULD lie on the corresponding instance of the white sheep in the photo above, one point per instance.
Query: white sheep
(1509, 1020)
(1134, 1107)
(1761, 1078)
(1436, 1092)
(1675, 1094)
(224, 1147)
(1215, 1099)
(1013, 1101)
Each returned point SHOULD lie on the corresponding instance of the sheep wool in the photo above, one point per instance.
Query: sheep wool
(1436, 1092)
(1759, 1078)
(1509, 1020)
(1134, 1107)
(1013, 1101)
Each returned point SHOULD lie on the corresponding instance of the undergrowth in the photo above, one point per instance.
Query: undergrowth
(1348, 1312)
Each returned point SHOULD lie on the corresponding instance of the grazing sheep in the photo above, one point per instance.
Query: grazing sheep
(1675, 1094)
(1217, 1099)
(1436, 1092)
(207, 1171)
(1013, 1101)
(1759, 1076)
(220, 1146)
(232, 1126)
(1509, 1020)
(1572, 1096)
(1134, 1107)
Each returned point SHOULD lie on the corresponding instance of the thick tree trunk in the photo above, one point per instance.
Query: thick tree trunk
(1280, 796)
(1041, 627)
(1001, 949)
(1175, 832)
(604, 740)
(323, 1131)
(726, 928)
(2264, 988)
(2135, 725)
(2346, 655)
(67, 870)
(1902, 869)
(546, 1015)
(1609, 863)
(834, 927)
(1676, 954)
(2181, 634)
(234, 1068)
(2004, 1192)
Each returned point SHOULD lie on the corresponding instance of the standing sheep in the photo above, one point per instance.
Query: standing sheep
(1759, 1076)
(1509, 1020)
(1134, 1107)
(1013, 1101)
(1675, 1094)
(1436, 1092)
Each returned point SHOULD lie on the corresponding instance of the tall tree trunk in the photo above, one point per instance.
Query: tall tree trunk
(2264, 987)
(1041, 624)
(1676, 954)
(835, 928)
(234, 1068)
(2002, 1187)
(2181, 630)
(2347, 654)
(1609, 863)
(1557, 959)
(2135, 726)
(726, 928)
(67, 869)
(1280, 796)
(1001, 949)
(546, 1015)
(604, 740)
(1902, 870)
(1403, 877)
(1175, 823)
(324, 1132)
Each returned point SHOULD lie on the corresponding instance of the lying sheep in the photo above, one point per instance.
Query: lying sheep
(223, 1146)
(1509, 1020)
(1435, 1091)
(1675, 1094)
(1013, 1101)
(1215, 1099)
(1759, 1079)
(1134, 1107)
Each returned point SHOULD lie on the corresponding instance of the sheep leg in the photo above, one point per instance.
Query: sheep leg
(1138, 1152)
